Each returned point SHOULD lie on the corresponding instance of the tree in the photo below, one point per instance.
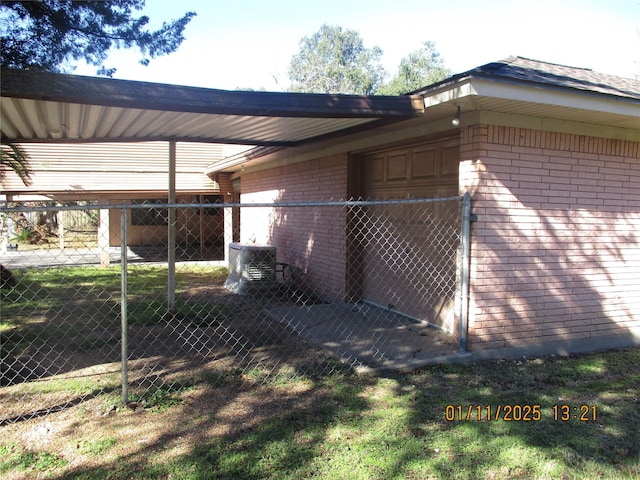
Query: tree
(419, 69)
(335, 60)
(53, 34)
(13, 157)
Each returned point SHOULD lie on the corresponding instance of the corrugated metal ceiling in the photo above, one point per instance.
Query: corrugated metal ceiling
(48, 107)
(31, 120)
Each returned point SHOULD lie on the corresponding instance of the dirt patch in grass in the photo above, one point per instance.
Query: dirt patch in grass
(98, 432)
(346, 426)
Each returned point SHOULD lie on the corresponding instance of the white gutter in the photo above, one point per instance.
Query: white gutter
(239, 159)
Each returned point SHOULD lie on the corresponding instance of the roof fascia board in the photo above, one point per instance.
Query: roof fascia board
(74, 89)
(212, 140)
(521, 92)
(449, 93)
(239, 159)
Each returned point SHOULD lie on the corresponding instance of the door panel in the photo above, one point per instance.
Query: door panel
(403, 260)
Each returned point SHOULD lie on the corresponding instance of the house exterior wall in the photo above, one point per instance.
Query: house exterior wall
(81, 170)
(117, 172)
(310, 239)
(193, 227)
(555, 253)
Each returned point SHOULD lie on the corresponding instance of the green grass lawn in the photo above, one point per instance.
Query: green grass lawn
(389, 426)
(560, 418)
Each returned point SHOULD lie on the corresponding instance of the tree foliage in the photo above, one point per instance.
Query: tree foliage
(52, 34)
(13, 157)
(419, 69)
(335, 60)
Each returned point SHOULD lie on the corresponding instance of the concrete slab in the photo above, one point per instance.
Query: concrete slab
(369, 338)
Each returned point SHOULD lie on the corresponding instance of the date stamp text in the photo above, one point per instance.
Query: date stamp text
(520, 413)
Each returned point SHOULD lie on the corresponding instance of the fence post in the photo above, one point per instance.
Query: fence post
(171, 240)
(103, 234)
(123, 305)
(464, 270)
(61, 214)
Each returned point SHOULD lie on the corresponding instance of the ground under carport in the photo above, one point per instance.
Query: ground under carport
(369, 337)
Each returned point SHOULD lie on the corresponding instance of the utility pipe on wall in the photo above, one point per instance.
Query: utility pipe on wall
(467, 218)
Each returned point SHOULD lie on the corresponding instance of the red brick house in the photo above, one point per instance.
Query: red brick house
(112, 173)
(551, 157)
(111, 140)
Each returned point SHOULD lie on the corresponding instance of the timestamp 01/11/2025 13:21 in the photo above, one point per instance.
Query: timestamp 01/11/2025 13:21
(519, 413)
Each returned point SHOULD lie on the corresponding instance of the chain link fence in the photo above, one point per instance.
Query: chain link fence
(164, 296)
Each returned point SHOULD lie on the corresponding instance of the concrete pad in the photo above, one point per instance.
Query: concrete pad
(369, 338)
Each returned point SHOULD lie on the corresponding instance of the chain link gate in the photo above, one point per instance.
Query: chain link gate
(357, 284)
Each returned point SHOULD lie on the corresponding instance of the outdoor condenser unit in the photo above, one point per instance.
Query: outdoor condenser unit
(251, 268)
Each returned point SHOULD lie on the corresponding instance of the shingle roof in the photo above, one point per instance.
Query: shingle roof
(526, 70)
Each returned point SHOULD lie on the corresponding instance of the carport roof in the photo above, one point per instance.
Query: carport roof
(41, 106)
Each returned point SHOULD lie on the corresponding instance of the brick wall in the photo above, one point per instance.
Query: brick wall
(556, 248)
(311, 239)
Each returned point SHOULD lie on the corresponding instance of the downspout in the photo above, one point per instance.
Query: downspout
(467, 218)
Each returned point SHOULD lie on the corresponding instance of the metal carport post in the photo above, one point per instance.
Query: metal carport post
(171, 248)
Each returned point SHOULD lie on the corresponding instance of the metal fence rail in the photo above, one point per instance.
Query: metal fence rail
(341, 285)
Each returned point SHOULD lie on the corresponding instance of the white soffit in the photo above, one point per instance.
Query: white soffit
(551, 102)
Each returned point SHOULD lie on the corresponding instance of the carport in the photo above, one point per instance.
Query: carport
(50, 107)
(44, 107)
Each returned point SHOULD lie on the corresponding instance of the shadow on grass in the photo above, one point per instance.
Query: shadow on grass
(394, 426)
(47, 411)
(59, 320)
(234, 430)
(345, 426)
(588, 424)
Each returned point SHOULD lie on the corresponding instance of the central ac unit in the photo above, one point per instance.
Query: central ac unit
(251, 268)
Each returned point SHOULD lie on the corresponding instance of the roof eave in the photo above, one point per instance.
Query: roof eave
(47, 86)
(529, 92)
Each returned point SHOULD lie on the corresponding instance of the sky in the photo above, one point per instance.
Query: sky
(248, 44)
